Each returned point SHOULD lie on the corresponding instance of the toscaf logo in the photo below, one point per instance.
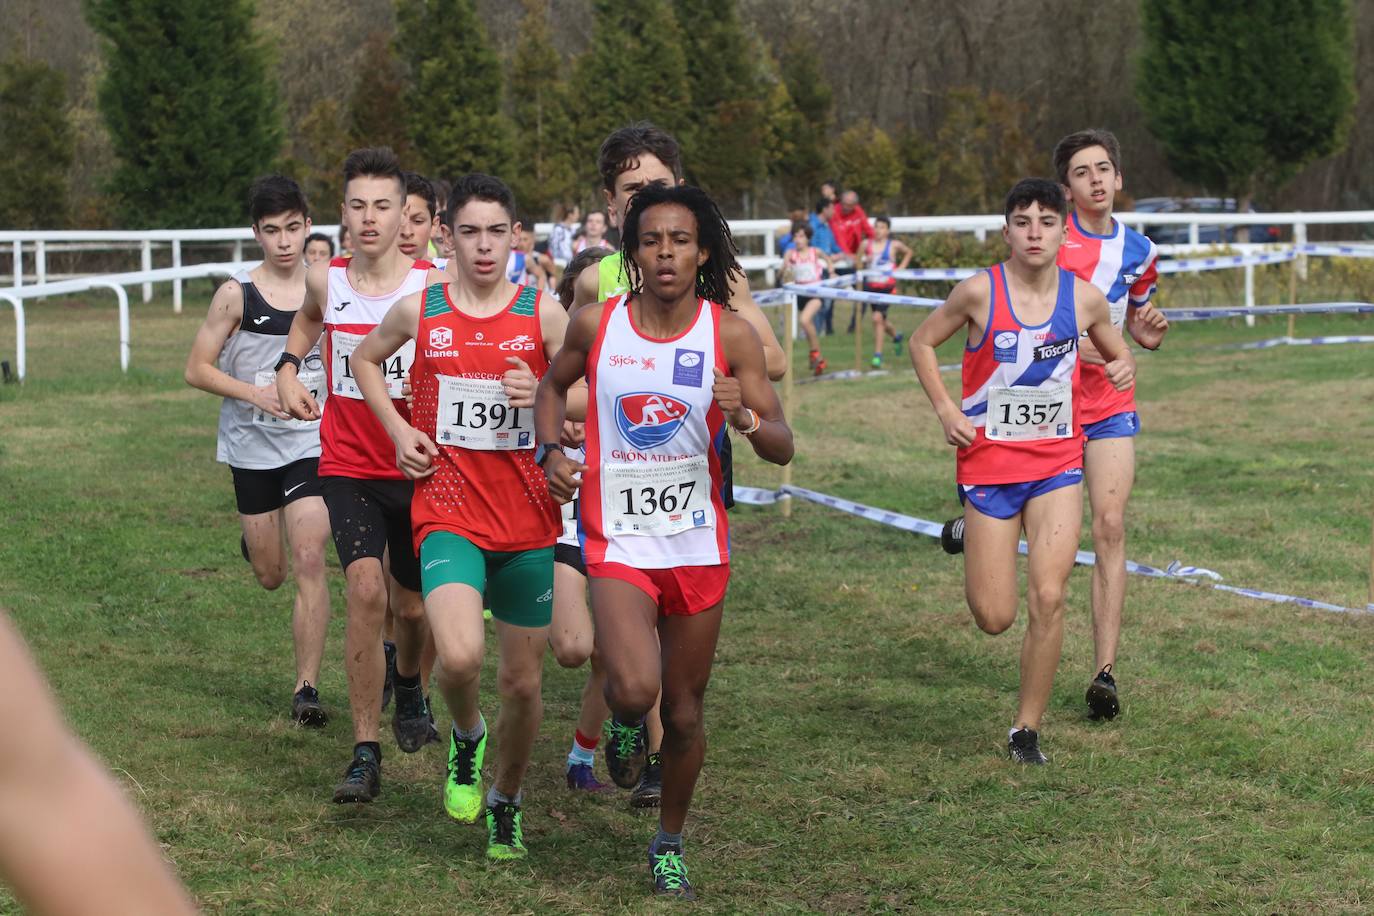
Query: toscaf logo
(441, 338)
(647, 419)
(1004, 346)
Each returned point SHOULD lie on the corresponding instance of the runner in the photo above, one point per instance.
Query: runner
(272, 458)
(805, 264)
(880, 253)
(318, 247)
(367, 496)
(654, 531)
(1121, 263)
(1020, 459)
(593, 234)
(483, 519)
(421, 221)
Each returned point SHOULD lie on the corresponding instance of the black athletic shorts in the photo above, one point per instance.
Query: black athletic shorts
(880, 307)
(569, 555)
(367, 517)
(258, 492)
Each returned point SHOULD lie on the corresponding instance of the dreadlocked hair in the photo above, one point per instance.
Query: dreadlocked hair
(713, 234)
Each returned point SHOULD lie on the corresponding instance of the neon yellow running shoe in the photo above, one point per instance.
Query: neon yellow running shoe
(505, 832)
(463, 785)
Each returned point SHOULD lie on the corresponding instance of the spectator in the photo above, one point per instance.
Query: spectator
(828, 190)
(823, 240)
(783, 235)
(850, 224)
(566, 217)
(318, 247)
(345, 243)
(593, 233)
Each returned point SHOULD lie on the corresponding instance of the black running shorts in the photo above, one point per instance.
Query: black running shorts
(367, 517)
(259, 492)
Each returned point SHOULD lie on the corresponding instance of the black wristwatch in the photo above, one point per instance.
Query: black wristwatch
(543, 451)
(285, 358)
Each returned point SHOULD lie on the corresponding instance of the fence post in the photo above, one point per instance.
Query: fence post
(238, 254)
(785, 501)
(1250, 293)
(123, 322)
(40, 261)
(1300, 242)
(1192, 234)
(18, 263)
(20, 345)
(146, 262)
(770, 248)
(176, 284)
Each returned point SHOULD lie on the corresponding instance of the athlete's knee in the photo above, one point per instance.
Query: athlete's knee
(271, 577)
(992, 614)
(1109, 528)
(630, 696)
(519, 686)
(571, 647)
(366, 594)
(308, 560)
(1046, 601)
(458, 664)
(681, 717)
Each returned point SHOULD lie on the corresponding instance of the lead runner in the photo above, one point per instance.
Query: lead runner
(654, 531)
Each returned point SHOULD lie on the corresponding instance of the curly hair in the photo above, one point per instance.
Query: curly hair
(713, 235)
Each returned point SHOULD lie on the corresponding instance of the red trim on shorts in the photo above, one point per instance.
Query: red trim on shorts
(684, 590)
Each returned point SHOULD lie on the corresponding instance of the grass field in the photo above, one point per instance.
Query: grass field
(856, 717)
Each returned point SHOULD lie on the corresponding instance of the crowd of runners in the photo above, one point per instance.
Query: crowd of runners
(481, 442)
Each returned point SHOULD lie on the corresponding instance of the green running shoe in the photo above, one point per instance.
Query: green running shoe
(625, 751)
(505, 832)
(669, 872)
(463, 785)
(877, 361)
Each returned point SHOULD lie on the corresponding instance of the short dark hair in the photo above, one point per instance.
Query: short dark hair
(422, 187)
(622, 149)
(713, 234)
(1042, 191)
(441, 191)
(580, 262)
(1079, 140)
(823, 203)
(373, 162)
(804, 227)
(884, 220)
(273, 194)
(476, 186)
(320, 237)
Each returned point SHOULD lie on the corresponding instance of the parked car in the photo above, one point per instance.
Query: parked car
(1177, 234)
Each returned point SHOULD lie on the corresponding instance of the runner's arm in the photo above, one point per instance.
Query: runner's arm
(553, 323)
(938, 327)
(304, 334)
(586, 289)
(1094, 316)
(569, 365)
(414, 449)
(1147, 325)
(226, 314)
(747, 397)
(905, 251)
(70, 842)
(742, 301)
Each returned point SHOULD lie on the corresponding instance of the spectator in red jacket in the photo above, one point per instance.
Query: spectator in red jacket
(850, 224)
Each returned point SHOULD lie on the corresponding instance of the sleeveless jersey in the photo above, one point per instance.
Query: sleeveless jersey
(1018, 389)
(249, 438)
(1123, 266)
(806, 268)
(611, 276)
(515, 267)
(569, 535)
(881, 261)
(353, 441)
(486, 486)
(652, 497)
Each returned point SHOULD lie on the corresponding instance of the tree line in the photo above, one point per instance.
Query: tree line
(196, 97)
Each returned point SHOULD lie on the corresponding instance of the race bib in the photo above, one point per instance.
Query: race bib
(312, 379)
(656, 499)
(1024, 414)
(394, 369)
(475, 413)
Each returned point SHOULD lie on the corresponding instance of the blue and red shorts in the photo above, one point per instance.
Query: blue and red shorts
(1006, 500)
(1118, 426)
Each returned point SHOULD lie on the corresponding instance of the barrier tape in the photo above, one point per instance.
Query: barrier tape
(1301, 342)
(1177, 572)
(1339, 251)
(1239, 311)
(854, 295)
(1197, 265)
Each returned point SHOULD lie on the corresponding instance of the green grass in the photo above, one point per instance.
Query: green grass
(856, 716)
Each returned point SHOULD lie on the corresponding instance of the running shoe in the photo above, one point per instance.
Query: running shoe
(505, 832)
(1102, 695)
(362, 780)
(243, 548)
(306, 709)
(463, 785)
(818, 367)
(582, 777)
(877, 361)
(669, 872)
(897, 341)
(389, 685)
(625, 752)
(650, 789)
(410, 719)
(952, 536)
(1024, 747)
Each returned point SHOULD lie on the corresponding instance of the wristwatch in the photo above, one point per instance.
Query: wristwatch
(286, 357)
(543, 451)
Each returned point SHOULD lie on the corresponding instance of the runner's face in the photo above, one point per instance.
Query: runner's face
(316, 251)
(282, 237)
(1093, 180)
(646, 170)
(482, 236)
(800, 240)
(416, 227)
(372, 210)
(596, 225)
(880, 231)
(667, 251)
(1034, 233)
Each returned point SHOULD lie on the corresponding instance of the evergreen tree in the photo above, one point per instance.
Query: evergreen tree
(1243, 93)
(453, 99)
(376, 107)
(190, 105)
(634, 70)
(868, 161)
(38, 136)
(543, 124)
(804, 125)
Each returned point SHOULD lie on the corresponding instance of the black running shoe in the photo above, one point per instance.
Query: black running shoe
(625, 752)
(362, 780)
(306, 709)
(952, 536)
(650, 789)
(1024, 747)
(410, 719)
(243, 547)
(669, 872)
(1102, 695)
(389, 685)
